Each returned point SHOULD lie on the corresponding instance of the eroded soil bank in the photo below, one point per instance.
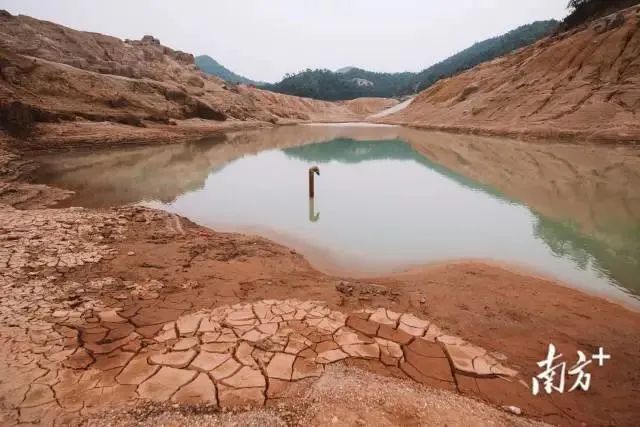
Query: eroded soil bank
(580, 85)
(60, 85)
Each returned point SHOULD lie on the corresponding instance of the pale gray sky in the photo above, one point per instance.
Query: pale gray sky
(263, 39)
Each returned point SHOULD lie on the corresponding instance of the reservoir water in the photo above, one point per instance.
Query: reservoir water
(389, 198)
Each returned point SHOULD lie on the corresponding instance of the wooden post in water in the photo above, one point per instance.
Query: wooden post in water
(312, 172)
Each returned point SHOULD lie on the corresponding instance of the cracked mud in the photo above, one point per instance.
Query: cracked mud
(66, 353)
(141, 315)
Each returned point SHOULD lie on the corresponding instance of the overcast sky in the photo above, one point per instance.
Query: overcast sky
(264, 39)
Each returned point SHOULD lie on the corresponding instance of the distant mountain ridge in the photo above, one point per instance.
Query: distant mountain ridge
(351, 82)
(213, 67)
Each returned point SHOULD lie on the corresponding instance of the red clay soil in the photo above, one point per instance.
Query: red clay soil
(501, 310)
(583, 84)
(78, 86)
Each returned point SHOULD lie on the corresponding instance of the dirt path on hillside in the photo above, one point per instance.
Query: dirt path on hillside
(392, 110)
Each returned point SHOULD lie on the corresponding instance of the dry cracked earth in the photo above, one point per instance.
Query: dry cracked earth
(73, 351)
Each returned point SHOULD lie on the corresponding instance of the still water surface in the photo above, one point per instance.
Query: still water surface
(386, 199)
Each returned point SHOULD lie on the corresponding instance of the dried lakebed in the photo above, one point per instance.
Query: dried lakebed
(72, 348)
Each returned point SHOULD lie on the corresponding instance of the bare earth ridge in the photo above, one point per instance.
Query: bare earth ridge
(87, 87)
(579, 85)
(77, 86)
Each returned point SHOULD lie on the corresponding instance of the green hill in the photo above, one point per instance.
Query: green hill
(352, 82)
(213, 67)
(334, 86)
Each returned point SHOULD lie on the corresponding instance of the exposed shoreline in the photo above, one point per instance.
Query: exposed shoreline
(563, 87)
(496, 306)
(335, 264)
(329, 263)
(107, 134)
(542, 134)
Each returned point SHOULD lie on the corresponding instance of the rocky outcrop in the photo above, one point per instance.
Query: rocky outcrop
(89, 51)
(178, 55)
(582, 84)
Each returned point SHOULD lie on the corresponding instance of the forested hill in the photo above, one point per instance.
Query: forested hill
(333, 86)
(211, 66)
(351, 82)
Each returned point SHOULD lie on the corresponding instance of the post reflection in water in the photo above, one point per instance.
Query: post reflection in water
(313, 216)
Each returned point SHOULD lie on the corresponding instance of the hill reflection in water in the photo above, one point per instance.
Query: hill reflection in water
(390, 197)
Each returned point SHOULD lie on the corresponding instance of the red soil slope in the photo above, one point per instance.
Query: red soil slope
(583, 84)
(54, 74)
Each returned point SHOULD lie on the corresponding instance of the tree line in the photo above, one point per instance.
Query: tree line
(582, 11)
(355, 82)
